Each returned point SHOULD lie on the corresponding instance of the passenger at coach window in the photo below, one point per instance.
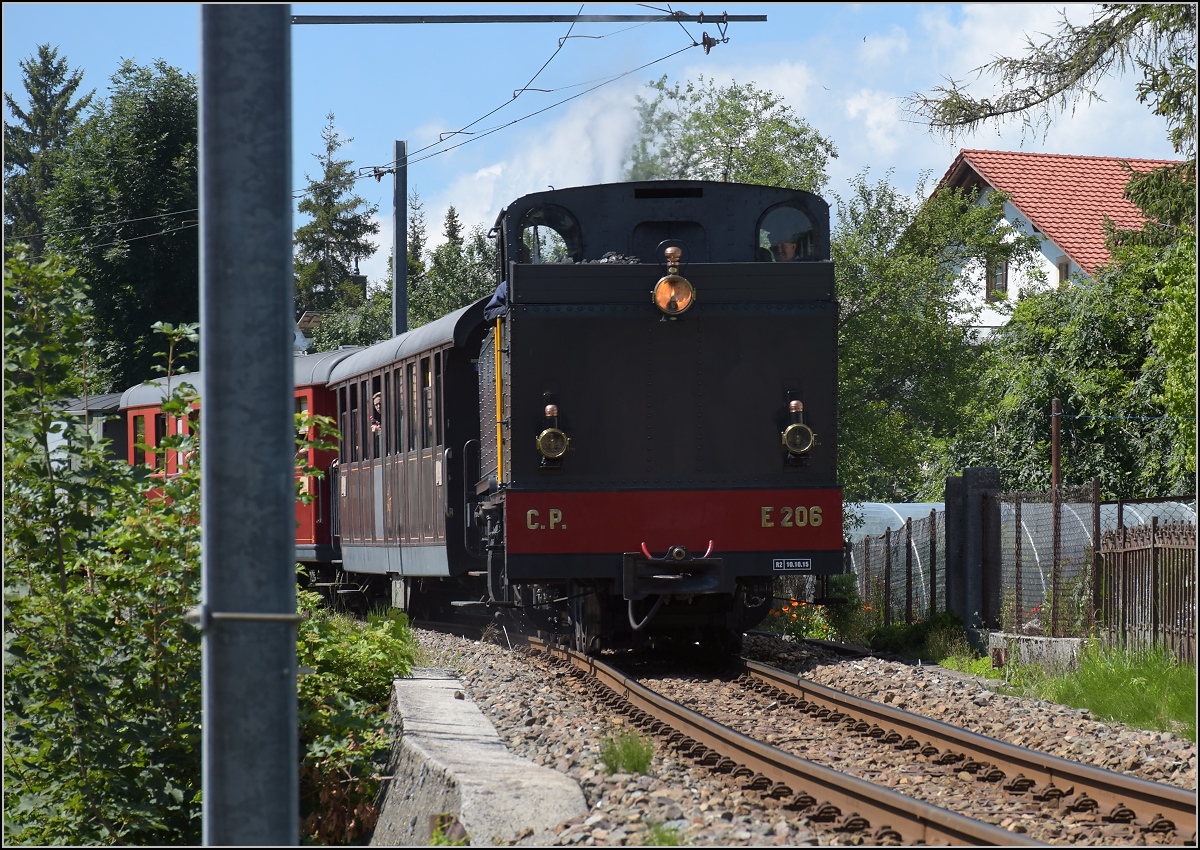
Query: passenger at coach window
(376, 418)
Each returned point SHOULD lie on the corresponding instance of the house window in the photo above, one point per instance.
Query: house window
(1064, 270)
(997, 280)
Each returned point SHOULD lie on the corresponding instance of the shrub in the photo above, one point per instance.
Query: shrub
(903, 639)
(344, 734)
(102, 675)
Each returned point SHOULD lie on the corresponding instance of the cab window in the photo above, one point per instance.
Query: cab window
(785, 235)
(549, 234)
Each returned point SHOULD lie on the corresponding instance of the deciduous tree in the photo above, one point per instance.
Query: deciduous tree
(740, 133)
(124, 211)
(908, 359)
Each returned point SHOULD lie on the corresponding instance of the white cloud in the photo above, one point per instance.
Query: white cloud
(791, 80)
(879, 114)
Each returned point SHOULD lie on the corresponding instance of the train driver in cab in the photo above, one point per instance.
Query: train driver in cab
(785, 248)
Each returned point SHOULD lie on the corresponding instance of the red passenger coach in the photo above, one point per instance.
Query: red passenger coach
(147, 426)
(316, 545)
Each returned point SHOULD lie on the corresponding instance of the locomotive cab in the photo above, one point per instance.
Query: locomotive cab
(657, 409)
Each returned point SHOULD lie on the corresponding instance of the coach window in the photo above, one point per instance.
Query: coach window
(413, 397)
(426, 404)
(437, 399)
(160, 433)
(375, 417)
(343, 423)
(364, 420)
(549, 234)
(385, 425)
(139, 440)
(302, 432)
(398, 408)
(785, 235)
(351, 431)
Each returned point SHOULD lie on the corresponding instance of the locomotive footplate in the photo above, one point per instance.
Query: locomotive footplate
(677, 574)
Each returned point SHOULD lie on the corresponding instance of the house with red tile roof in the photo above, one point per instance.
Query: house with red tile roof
(1063, 199)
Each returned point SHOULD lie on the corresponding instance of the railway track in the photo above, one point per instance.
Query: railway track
(1120, 808)
(843, 803)
(1041, 788)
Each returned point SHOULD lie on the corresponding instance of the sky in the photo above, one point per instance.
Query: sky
(844, 68)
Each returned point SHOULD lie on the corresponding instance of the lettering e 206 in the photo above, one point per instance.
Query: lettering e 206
(786, 517)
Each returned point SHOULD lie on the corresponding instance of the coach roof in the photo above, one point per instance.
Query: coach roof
(308, 369)
(451, 329)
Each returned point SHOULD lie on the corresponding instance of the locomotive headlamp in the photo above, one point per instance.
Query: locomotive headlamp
(553, 443)
(798, 438)
(673, 295)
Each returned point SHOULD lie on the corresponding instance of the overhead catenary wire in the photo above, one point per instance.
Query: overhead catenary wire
(414, 157)
(98, 226)
(377, 171)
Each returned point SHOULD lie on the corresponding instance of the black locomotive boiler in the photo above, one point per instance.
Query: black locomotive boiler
(630, 440)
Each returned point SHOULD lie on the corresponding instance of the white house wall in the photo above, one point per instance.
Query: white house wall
(1018, 280)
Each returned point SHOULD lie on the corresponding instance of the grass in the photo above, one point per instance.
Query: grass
(627, 752)
(660, 835)
(1146, 689)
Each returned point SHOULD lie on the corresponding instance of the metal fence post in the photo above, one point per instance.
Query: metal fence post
(1056, 557)
(887, 577)
(932, 562)
(908, 582)
(1018, 616)
(1122, 581)
(1096, 556)
(1155, 637)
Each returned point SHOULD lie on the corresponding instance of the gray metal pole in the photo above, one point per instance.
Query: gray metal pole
(400, 241)
(248, 604)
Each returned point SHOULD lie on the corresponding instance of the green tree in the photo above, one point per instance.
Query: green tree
(1149, 287)
(738, 133)
(459, 271)
(33, 143)
(330, 245)
(1064, 68)
(417, 238)
(1090, 346)
(907, 358)
(356, 322)
(124, 213)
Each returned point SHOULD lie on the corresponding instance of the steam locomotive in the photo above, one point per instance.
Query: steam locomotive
(626, 444)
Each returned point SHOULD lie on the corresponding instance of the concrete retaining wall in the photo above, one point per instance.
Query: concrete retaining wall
(449, 760)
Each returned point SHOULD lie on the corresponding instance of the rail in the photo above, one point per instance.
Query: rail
(1082, 787)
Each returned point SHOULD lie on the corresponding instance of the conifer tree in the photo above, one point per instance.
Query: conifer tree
(330, 245)
(33, 143)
